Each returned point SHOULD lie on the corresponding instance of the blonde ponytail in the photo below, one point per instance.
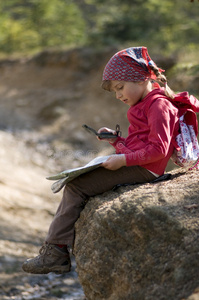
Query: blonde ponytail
(162, 79)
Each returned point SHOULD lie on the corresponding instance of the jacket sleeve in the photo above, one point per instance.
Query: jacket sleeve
(162, 117)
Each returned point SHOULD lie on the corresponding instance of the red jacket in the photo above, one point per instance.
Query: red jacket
(151, 129)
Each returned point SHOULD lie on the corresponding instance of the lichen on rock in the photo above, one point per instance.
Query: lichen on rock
(141, 242)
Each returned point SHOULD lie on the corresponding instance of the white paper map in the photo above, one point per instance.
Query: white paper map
(68, 175)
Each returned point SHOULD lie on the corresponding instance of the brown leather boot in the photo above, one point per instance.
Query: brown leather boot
(51, 258)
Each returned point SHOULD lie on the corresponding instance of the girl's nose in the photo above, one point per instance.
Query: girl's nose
(118, 95)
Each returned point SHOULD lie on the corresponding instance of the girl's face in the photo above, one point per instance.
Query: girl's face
(130, 92)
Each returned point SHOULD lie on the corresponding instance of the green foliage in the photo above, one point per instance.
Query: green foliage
(168, 25)
(31, 24)
(36, 24)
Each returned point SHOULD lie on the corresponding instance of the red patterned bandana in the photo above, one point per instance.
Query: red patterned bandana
(131, 64)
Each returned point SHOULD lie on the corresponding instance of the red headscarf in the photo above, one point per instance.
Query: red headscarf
(131, 64)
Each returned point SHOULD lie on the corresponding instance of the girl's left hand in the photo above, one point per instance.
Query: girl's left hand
(105, 129)
(115, 162)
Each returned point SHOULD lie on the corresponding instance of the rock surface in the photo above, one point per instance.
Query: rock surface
(141, 242)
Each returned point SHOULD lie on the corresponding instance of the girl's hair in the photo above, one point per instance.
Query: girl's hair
(106, 84)
(162, 79)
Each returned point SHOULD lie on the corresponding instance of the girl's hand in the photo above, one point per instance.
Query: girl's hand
(115, 162)
(105, 129)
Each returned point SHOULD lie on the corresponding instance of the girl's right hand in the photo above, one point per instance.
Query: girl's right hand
(105, 129)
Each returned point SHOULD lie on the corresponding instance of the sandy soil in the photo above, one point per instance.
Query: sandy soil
(27, 206)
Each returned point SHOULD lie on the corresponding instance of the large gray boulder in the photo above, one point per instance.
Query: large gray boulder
(141, 242)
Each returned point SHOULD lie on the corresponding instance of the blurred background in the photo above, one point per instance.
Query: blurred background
(28, 26)
(52, 55)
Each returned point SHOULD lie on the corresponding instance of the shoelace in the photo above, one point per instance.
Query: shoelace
(44, 249)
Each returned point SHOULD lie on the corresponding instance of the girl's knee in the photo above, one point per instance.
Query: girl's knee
(74, 196)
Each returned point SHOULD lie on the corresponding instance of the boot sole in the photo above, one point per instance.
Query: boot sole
(46, 270)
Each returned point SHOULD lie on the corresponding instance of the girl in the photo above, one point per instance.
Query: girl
(139, 158)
